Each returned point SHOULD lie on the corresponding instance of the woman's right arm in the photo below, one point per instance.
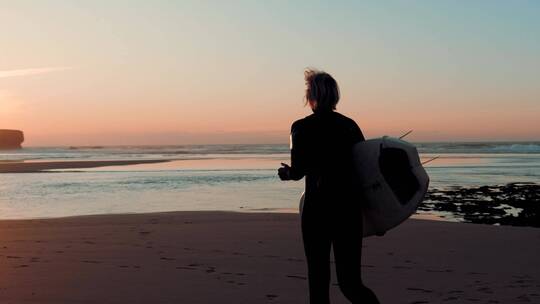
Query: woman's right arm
(298, 152)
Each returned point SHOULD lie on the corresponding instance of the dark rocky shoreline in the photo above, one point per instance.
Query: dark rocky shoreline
(515, 204)
(11, 139)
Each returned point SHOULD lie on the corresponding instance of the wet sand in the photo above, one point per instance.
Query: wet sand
(223, 257)
(40, 166)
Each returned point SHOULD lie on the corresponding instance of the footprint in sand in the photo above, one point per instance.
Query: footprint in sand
(185, 268)
(420, 289)
(91, 262)
(296, 277)
(439, 270)
(271, 296)
(485, 290)
(402, 267)
(409, 262)
(523, 283)
(167, 259)
(525, 276)
(523, 298)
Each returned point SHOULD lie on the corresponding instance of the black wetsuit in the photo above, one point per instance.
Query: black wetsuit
(321, 150)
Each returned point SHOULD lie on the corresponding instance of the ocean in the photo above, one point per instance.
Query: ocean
(224, 177)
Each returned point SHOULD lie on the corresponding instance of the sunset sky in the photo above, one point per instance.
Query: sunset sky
(180, 72)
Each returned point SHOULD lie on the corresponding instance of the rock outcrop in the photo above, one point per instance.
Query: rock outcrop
(11, 139)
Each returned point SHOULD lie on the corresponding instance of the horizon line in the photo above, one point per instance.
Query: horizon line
(270, 143)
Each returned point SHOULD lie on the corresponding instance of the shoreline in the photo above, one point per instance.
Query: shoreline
(211, 213)
(254, 258)
(41, 167)
(416, 216)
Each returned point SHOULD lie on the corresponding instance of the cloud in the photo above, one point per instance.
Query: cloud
(32, 71)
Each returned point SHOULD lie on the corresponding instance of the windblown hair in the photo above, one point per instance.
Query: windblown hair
(321, 88)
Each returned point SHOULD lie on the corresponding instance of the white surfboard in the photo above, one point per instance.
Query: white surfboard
(391, 182)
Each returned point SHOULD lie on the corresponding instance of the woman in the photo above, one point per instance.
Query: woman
(321, 150)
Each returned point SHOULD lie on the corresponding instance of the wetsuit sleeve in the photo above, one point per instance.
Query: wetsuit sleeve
(298, 153)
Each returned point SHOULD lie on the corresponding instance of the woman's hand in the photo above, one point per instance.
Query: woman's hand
(284, 172)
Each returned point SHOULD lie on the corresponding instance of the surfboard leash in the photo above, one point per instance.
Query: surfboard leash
(410, 131)
(430, 160)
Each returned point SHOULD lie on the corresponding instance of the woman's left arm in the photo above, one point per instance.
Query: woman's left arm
(357, 134)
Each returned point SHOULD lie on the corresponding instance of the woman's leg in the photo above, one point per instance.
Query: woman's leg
(347, 242)
(317, 249)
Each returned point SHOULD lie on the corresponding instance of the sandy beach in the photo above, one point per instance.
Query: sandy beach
(227, 257)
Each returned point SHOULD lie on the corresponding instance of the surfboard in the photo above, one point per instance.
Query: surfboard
(391, 182)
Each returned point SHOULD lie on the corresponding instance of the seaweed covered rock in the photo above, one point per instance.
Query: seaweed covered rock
(516, 204)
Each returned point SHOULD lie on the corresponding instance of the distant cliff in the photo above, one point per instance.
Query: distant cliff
(11, 139)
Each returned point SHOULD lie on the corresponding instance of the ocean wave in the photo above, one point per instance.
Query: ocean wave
(518, 148)
(479, 147)
(86, 147)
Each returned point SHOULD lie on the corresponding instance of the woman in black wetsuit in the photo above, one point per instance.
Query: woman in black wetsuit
(321, 150)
